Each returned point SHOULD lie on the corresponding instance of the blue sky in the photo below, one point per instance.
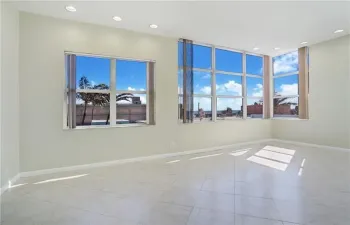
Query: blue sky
(131, 74)
(226, 61)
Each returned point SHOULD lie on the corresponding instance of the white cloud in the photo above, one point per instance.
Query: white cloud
(204, 103)
(288, 89)
(286, 63)
(206, 90)
(180, 90)
(142, 89)
(233, 103)
(258, 91)
(131, 89)
(232, 86)
(93, 83)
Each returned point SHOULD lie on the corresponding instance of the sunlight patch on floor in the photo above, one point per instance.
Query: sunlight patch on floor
(273, 157)
(269, 163)
(61, 178)
(205, 156)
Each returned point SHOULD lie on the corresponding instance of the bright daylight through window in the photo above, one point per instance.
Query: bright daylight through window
(219, 79)
(286, 85)
(108, 91)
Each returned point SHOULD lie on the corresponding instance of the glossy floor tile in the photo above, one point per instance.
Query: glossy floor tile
(263, 184)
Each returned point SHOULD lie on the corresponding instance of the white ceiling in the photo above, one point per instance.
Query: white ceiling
(238, 25)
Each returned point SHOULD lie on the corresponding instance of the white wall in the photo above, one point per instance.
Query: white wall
(9, 93)
(329, 98)
(44, 144)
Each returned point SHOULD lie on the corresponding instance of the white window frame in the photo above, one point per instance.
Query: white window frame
(283, 96)
(113, 91)
(213, 73)
(246, 85)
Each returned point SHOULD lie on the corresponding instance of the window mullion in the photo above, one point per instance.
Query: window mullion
(147, 93)
(244, 86)
(213, 85)
(113, 93)
(72, 91)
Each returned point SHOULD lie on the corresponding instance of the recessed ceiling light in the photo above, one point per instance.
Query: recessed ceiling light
(256, 49)
(154, 26)
(71, 8)
(303, 43)
(277, 48)
(338, 31)
(117, 18)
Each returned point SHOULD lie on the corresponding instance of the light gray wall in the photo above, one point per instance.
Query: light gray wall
(9, 93)
(329, 98)
(44, 144)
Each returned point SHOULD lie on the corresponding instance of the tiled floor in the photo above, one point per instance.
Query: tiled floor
(262, 185)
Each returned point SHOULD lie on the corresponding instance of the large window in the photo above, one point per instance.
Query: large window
(202, 83)
(286, 85)
(103, 91)
(255, 84)
(225, 84)
(228, 83)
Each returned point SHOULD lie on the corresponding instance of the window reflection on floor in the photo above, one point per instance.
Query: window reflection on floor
(61, 178)
(273, 157)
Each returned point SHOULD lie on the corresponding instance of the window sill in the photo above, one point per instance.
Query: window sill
(221, 121)
(108, 126)
(286, 118)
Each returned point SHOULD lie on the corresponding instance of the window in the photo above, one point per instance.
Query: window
(254, 84)
(286, 85)
(228, 83)
(220, 78)
(108, 91)
(201, 96)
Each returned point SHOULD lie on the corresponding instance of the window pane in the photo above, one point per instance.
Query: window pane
(285, 107)
(92, 71)
(131, 75)
(254, 108)
(180, 82)
(254, 65)
(228, 61)
(228, 85)
(201, 57)
(229, 108)
(286, 85)
(92, 109)
(202, 108)
(201, 82)
(287, 63)
(254, 87)
(131, 109)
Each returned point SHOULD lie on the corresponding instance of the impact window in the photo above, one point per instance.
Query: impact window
(254, 86)
(105, 91)
(286, 85)
(218, 84)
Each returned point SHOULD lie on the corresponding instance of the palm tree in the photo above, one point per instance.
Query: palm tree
(84, 83)
(99, 99)
(283, 101)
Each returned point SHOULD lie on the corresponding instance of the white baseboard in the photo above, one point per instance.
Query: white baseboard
(312, 145)
(11, 181)
(138, 159)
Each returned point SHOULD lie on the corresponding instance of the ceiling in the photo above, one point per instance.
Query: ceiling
(239, 25)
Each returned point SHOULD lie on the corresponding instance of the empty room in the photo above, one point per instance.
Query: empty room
(175, 112)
